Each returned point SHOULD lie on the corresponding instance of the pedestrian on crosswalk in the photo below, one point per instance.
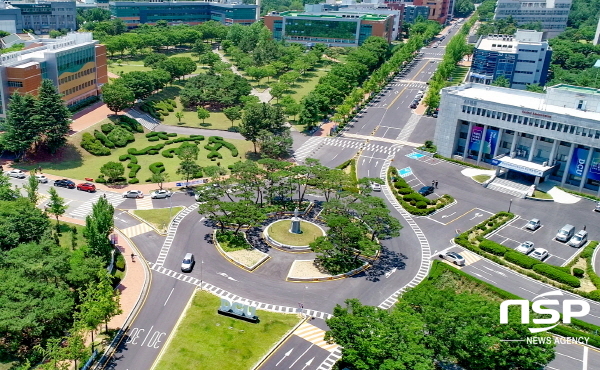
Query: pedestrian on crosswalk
(433, 183)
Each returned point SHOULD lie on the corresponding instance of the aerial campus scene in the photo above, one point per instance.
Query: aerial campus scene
(286, 184)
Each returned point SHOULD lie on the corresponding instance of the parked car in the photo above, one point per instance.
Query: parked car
(188, 262)
(41, 179)
(157, 194)
(375, 186)
(426, 190)
(87, 186)
(525, 248)
(533, 224)
(65, 183)
(579, 239)
(539, 254)
(453, 257)
(413, 106)
(16, 173)
(565, 233)
(133, 194)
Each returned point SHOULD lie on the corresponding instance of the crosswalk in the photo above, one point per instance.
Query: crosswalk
(314, 335)
(312, 146)
(408, 84)
(143, 118)
(86, 208)
(308, 148)
(136, 230)
(144, 203)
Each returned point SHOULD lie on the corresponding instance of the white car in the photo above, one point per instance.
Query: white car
(133, 194)
(157, 194)
(539, 254)
(375, 186)
(16, 173)
(525, 248)
(453, 257)
(42, 179)
(533, 224)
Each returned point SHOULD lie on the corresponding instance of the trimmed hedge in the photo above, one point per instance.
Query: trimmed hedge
(133, 181)
(93, 145)
(131, 124)
(521, 259)
(131, 158)
(153, 138)
(157, 167)
(120, 137)
(146, 150)
(409, 199)
(169, 153)
(107, 127)
(577, 272)
(557, 275)
(493, 247)
(134, 168)
(104, 139)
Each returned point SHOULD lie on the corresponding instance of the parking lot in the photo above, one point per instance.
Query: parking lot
(515, 233)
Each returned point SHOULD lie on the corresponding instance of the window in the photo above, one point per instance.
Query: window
(581, 104)
(15, 84)
(494, 114)
(525, 120)
(504, 116)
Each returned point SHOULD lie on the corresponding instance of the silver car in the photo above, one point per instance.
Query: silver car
(41, 179)
(525, 248)
(157, 194)
(453, 257)
(533, 224)
(188, 262)
(539, 254)
(375, 186)
(16, 173)
(133, 194)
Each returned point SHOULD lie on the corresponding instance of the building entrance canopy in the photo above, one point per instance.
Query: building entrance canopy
(522, 166)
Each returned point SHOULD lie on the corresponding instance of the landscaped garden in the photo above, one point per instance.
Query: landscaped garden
(160, 218)
(413, 202)
(206, 340)
(145, 149)
(280, 232)
(128, 63)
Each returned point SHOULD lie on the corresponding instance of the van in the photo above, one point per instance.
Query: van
(188, 262)
(565, 233)
(579, 239)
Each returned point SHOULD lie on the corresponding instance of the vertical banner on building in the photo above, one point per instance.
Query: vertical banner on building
(594, 170)
(578, 162)
(491, 138)
(475, 140)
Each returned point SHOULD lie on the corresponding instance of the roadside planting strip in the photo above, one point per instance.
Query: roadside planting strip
(164, 251)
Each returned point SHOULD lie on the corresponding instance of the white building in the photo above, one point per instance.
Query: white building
(552, 14)
(523, 59)
(534, 136)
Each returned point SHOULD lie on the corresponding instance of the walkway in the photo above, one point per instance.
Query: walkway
(264, 96)
(89, 117)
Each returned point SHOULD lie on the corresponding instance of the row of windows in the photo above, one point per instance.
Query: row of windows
(80, 87)
(534, 122)
(15, 84)
(525, 61)
(77, 75)
(524, 72)
(529, 50)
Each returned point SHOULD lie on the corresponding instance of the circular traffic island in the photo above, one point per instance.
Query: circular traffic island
(279, 234)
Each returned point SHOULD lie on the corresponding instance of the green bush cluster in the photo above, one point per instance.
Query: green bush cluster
(107, 127)
(131, 124)
(157, 167)
(231, 241)
(162, 135)
(120, 137)
(100, 179)
(134, 180)
(412, 201)
(120, 262)
(159, 108)
(104, 139)
(131, 158)
(93, 145)
(152, 149)
(84, 103)
(215, 143)
(520, 259)
(557, 275)
(493, 247)
(577, 272)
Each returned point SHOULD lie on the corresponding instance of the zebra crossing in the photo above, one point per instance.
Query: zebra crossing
(308, 148)
(144, 203)
(143, 118)
(408, 84)
(86, 208)
(164, 251)
(312, 146)
(225, 294)
(314, 335)
(136, 230)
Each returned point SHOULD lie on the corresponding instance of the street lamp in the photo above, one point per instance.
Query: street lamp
(509, 204)
(201, 263)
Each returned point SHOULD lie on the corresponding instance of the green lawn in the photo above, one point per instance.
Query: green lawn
(65, 238)
(130, 64)
(76, 163)
(308, 82)
(458, 75)
(279, 231)
(206, 340)
(542, 195)
(481, 178)
(159, 218)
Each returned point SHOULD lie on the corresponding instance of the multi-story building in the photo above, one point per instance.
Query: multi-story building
(134, 13)
(331, 28)
(412, 12)
(40, 16)
(551, 14)
(533, 136)
(522, 59)
(75, 63)
(439, 10)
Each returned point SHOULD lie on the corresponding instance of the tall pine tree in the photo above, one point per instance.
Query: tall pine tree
(21, 130)
(52, 117)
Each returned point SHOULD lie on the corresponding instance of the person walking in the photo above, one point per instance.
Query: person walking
(436, 184)
(132, 255)
(433, 183)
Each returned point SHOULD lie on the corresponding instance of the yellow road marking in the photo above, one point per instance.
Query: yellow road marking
(406, 87)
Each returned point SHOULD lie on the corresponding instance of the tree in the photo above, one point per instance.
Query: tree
(188, 152)
(462, 8)
(501, 82)
(159, 179)
(112, 170)
(209, 59)
(21, 222)
(117, 97)
(233, 114)
(278, 89)
(200, 48)
(259, 117)
(21, 130)
(107, 298)
(56, 206)
(188, 169)
(51, 117)
(275, 146)
(90, 314)
(32, 189)
(179, 116)
(535, 88)
(203, 113)
(154, 59)
(98, 226)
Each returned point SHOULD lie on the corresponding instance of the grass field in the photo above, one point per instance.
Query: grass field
(542, 195)
(76, 163)
(279, 231)
(458, 75)
(205, 340)
(481, 178)
(130, 64)
(308, 82)
(160, 218)
(66, 236)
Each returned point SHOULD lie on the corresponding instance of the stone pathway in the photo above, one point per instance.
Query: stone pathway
(264, 96)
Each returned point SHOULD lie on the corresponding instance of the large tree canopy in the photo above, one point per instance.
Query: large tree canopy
(216, 90)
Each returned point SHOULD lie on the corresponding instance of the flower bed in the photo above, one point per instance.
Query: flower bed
(413, 202)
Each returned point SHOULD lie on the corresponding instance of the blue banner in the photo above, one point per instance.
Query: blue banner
(491, 138)
(594, 171)
(577, 164)
(475, 140)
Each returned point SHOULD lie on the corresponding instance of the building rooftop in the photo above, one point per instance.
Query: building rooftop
(522, 98)
(179, 3)
(509, 43)
(577, 89)
(338, 14)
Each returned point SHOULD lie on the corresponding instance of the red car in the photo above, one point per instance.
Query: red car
(86, 186)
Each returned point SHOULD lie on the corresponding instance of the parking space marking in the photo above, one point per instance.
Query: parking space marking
(571, 357)
(466, 213)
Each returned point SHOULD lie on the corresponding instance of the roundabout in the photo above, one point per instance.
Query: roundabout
(279, 232)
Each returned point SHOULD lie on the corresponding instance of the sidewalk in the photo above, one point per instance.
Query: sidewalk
(89, 117)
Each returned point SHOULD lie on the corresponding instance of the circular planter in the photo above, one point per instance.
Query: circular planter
(291, 241)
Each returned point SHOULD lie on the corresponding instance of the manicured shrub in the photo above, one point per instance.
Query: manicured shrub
(131, 158)
(404, 191)
(493, 247)
(578, 272)
(120, 137)
(162, 135)
(421, 205)
(214, 155)
(171, 134)
(101, 179)
(131, 124)
(151, 134)
(521, 259)
(146, 150)
(120, 262)
(93, 145)
(168, 153)
(107, 127)
(134, 168)
(557, 275)
(157, 167)
(133, 181)
(104, 139)
(154, 138)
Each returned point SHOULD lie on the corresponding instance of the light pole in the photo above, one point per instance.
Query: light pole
(509, 204)
(201, 263)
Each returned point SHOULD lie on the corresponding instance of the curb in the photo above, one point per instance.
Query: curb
(265, 258)
(362, 268)
(539, 199)
(278, 344)
(133, 313)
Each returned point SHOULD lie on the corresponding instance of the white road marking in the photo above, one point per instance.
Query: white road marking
(294, 363)
(169, 296)
(585, 357)
(284, 356)
(389, 273)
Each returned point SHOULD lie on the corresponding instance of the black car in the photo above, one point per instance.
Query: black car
(426, 190)
(64, 183)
